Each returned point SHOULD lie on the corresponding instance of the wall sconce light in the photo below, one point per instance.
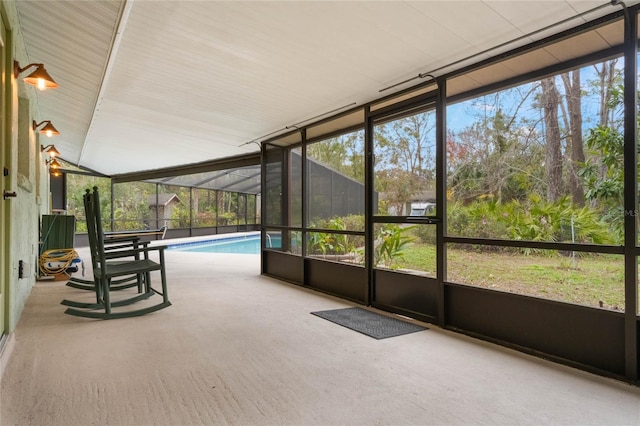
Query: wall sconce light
(51, 150)
(48, 128)
(53, 164)
(39, 78)
(55, 172)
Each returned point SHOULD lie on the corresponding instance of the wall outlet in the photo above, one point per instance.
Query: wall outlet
(24, 270)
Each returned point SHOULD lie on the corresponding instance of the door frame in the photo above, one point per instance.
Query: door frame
(5, 157)
(418, 296)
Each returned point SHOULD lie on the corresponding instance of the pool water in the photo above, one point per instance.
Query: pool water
(249, 244)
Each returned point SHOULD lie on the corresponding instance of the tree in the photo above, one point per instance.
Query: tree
(131, 206)
(549, 102)
(575, 147)
(405, 158)
(499, 155)
(344, 154)
(77, 184)
(603, 171)
(608, 79)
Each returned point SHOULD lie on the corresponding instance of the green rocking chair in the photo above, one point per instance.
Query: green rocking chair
(108, 266)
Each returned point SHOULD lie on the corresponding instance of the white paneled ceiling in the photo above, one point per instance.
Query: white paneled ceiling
(156, 84)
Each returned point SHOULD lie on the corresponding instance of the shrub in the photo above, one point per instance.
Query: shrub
(228, 218)
(534, 219)
(354, 222)
(391, 241)
(481, 219)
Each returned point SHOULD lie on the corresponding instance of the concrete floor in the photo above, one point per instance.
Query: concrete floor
(238, 348)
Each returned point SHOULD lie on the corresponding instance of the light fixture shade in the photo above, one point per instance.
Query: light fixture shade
(48, 129)
(41, 78)
(51, 150)
(54, 164)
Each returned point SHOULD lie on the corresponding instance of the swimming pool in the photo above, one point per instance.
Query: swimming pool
(245, 244)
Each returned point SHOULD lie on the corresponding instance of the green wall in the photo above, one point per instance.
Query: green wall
(28, 177)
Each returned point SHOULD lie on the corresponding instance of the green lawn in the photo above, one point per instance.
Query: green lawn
(592, 280)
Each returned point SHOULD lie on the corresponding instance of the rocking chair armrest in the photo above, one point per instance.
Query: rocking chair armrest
(109, 236)
(134, 244)
(132, 251)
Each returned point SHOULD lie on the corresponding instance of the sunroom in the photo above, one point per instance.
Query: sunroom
(518, 146)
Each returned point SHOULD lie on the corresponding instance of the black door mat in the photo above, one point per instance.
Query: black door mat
(369, 323)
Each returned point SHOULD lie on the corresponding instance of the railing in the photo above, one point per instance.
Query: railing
(81, 239)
